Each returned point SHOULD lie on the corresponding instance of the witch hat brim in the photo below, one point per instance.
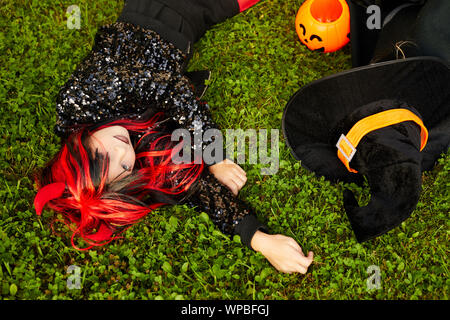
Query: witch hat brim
(312, 123)
(312, 112)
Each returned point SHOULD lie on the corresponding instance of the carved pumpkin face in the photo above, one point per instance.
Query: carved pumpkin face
(323, 25)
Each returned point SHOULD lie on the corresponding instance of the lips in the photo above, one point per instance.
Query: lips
(122, 138)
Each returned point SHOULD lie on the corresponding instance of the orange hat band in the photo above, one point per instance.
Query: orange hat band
(347, 143)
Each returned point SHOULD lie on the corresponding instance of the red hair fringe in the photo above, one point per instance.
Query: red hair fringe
(99, 215)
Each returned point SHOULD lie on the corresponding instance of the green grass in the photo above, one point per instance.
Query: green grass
(177, 253)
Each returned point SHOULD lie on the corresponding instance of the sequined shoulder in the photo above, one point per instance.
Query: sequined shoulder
(128, 70)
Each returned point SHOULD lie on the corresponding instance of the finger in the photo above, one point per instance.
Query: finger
(239, 171)
(235, 165)
(229, 162)
(310, 257)
(232, 186)
(299, 262)
(239, 179)
(302, 260)
(301, 269)
(294, 244)
(238, 167)
(307, 260)
(291, 268)
(298, 249)
(235, 177)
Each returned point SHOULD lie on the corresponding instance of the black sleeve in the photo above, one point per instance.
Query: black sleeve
(191, 113)
(230, 214)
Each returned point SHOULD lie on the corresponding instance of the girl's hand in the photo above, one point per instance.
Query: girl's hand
(283, 252)
(229, 174)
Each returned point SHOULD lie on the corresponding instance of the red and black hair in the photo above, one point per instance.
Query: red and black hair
(98, 211)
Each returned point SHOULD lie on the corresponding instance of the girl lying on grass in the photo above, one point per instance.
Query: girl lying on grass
(115, 117)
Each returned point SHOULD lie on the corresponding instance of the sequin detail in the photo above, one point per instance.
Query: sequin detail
(129, 70)
(224, 209)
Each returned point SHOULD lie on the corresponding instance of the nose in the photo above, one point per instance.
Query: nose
(120, 153)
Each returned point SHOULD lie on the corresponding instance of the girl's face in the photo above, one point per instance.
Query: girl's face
(115, 141)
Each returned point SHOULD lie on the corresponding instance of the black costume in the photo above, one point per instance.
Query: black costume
(138, 64)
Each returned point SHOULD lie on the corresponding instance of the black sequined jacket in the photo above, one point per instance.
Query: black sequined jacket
(129, 71)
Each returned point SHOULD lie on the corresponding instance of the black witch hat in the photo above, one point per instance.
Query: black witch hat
(388, 155)
(388, 121)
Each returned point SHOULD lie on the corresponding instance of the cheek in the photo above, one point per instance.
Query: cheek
(130, 157)
(98, 142)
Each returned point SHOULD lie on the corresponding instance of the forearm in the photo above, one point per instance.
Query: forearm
(260, 240)
(230, 214)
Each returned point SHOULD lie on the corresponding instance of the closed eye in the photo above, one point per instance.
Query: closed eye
(315, 37)
(304, 29)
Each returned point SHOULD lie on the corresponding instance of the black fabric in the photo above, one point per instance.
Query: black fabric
(362, 39)
(180, 22)
(247, 228)
(229, 213)
(396, 41)
(420, 28)
(389, 158)
(432, 31)
(314, 110)
(395, 191)
(198, 80)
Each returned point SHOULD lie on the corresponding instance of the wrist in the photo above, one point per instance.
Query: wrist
(259, 241)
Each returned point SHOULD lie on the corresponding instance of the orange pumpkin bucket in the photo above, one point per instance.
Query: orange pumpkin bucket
(323, 25)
